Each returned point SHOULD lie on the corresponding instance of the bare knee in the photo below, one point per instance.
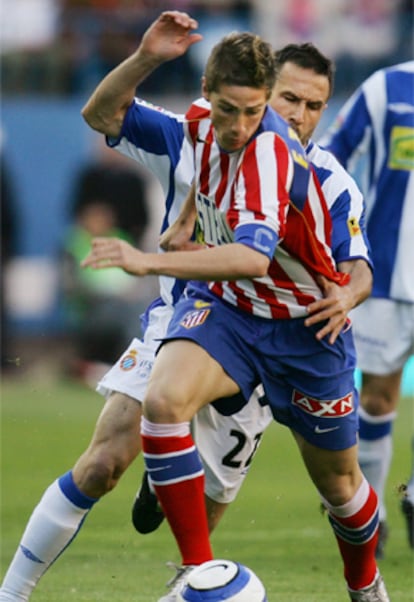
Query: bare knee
(339, 489)
(379, 394)
(163, 407)
(98, 471)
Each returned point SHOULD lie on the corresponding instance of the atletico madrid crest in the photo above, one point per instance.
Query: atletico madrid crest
(195, 318)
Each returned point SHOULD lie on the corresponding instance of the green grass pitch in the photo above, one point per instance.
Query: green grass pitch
(275, 526)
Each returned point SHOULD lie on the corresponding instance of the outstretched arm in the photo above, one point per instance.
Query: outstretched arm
(232, 261)
(167, 38)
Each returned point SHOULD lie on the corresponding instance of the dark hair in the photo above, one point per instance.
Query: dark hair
(241, 59)
(306, 56)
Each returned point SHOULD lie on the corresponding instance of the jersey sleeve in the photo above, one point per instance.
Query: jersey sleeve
(351, 134)
(346, 205)
(149, 133)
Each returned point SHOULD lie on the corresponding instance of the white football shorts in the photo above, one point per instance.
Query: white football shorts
(226, 444)
(384, 335)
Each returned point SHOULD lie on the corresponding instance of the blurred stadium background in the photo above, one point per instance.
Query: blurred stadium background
(54, 52)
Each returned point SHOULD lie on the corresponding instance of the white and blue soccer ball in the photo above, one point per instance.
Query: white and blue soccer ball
(222, 581)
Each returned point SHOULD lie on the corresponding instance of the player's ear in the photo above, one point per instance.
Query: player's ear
(204, 89)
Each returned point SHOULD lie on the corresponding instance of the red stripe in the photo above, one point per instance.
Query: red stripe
(364, 515)
(282, 281)
(222, 187)
(204, 180)
(197, 113)
(192, 130)
(300, 240)
(251, 176)
(165, 445)
(324, 205)
(282, 157)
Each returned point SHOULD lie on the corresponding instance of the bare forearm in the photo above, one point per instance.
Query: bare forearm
(105, 110)
(228, 262)
(167, 38)
(360, 283)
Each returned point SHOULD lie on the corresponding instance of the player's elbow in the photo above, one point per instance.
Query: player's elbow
(91, 116)
(256, 265)
(97, 120)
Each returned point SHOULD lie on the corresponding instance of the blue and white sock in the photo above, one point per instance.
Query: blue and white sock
(375, 452)
(52, 526)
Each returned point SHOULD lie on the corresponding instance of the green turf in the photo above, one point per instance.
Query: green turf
(275, 525)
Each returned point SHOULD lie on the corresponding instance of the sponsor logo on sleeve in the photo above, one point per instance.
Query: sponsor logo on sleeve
(353, 226)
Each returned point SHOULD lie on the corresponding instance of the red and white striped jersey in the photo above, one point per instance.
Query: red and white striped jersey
(267, 197)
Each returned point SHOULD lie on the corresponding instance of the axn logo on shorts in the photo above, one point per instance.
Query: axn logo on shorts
(334, 408)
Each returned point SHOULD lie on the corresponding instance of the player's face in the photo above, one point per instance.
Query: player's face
(300, 97)
(236, 112)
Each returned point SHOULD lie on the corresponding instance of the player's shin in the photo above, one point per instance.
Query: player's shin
(175, 469)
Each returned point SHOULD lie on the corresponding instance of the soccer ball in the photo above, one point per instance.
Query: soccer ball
(222, 581)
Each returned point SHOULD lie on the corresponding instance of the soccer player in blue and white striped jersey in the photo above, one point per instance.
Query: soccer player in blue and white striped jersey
(374, 133)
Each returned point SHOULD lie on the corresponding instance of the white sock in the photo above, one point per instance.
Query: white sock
(53, 524)
(375, 452)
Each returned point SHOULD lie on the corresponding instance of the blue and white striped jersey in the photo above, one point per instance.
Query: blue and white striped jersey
(345, 203)
(154, 138)
(377, 125)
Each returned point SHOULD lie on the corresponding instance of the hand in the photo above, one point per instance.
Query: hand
(170, 36)
(116, 253)
(334, 308)
(177, 237)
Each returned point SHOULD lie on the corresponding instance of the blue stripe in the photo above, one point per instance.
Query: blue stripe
(355, 536)
(173, 467)
(371, 431)
(223, 592)
(71, 491)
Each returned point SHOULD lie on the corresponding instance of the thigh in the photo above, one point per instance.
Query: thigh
(310, 386)
(228, 335)
(184, 378)
(227, 445)
(384, 335)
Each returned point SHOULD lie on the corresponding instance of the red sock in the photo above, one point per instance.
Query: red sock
(177, 474)
(357, 536)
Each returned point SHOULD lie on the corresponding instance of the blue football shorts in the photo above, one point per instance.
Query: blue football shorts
(309, 384)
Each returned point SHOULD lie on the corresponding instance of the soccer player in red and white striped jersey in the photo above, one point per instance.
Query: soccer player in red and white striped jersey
(242, 320)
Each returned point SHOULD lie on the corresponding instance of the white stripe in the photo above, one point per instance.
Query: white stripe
(376, 98)
(178, 479)
(402, 282)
